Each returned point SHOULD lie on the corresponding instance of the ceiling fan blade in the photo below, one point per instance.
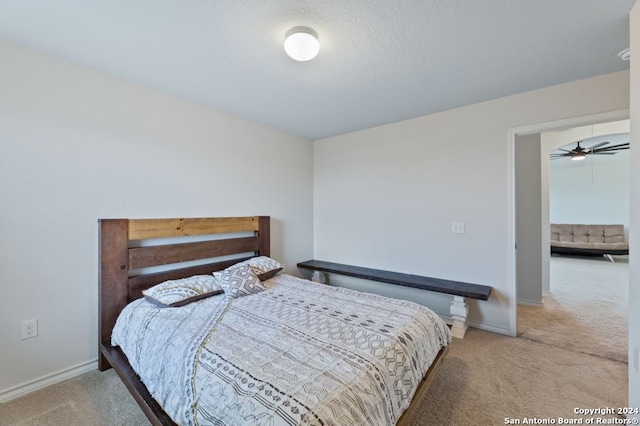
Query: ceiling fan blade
(603, 153)
(596, 146)
(560, 154)
(619, 147)
(612, 151)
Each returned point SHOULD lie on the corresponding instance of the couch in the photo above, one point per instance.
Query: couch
(589, 240)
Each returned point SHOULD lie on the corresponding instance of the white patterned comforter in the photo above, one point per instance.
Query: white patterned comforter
(298, 353)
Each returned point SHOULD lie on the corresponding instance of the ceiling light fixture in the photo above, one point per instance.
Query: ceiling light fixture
(301, 43)
(578, 156)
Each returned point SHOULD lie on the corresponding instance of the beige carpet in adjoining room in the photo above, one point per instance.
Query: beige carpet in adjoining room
(485, 379)
(587, 310)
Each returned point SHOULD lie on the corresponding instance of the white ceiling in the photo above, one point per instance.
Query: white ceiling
(380, 61)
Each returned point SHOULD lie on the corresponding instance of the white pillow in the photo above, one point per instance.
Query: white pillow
(175, 293)
(264, 267)
(239, 282)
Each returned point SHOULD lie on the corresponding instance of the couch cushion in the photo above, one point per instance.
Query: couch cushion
(595, 233)
(565, 233)
(614, 234)
(580, 234)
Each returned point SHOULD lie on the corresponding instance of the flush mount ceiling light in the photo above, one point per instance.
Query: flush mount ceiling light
(301, 43)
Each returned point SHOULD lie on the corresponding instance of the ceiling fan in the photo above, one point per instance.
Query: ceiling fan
(580, 153)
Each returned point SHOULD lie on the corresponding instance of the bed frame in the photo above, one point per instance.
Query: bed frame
(124, 263)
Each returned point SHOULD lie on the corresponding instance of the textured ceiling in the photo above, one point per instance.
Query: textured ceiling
(380, 61)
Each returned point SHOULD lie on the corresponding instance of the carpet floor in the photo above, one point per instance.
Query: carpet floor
(587, 309)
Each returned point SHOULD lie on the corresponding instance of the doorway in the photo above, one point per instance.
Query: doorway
(538, 246)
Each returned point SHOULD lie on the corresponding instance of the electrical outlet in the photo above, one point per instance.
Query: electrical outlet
(29, 329)
(457, 227)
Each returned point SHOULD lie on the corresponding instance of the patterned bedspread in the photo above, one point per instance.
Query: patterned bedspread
(298, 353)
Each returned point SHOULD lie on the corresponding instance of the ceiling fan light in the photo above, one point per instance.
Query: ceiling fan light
(579, 156)
(301, 43)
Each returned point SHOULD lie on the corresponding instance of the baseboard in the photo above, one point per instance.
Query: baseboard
(529, 303)
(480, 326)
(47, 380)
(490, 328)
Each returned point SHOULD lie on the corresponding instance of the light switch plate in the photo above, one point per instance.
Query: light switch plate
(457, 227)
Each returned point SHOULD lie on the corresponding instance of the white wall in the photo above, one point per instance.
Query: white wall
(385, 197)
(580, 194)
(595, 190)
(634, 232)
(529, 253)
(77, 145)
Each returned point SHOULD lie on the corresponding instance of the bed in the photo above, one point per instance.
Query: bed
(295, 352)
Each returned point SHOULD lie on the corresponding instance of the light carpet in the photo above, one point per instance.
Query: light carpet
(587, 309)
(487, 378)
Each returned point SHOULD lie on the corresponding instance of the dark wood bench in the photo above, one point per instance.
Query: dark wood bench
(459, 290)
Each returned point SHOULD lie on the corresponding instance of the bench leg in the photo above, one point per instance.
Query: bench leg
(608, 256)
(459, 311)
(320, 277)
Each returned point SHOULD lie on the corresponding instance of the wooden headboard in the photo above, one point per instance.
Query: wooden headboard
(123, 260)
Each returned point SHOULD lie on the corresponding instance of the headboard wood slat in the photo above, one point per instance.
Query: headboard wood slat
(113, 278)
(264, 235)
(141, 229)
(143, 257)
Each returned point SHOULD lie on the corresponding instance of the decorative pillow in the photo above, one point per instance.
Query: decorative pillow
(175, 293)
(239, 282)
(264, 267)
(263, 264)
